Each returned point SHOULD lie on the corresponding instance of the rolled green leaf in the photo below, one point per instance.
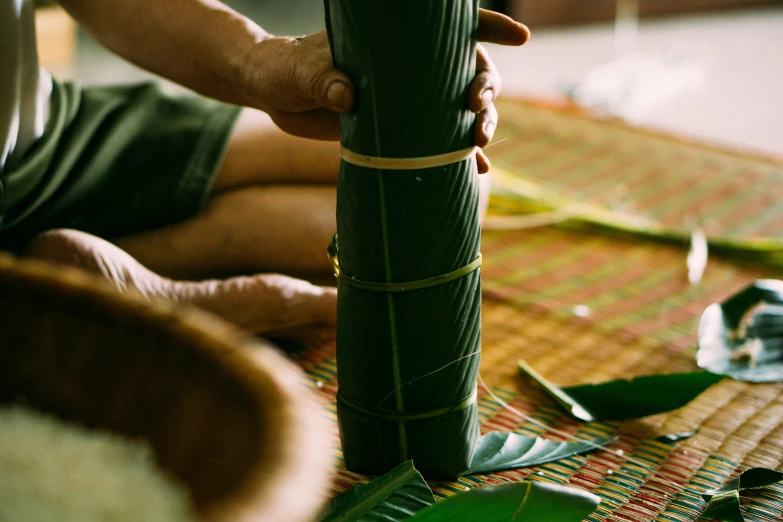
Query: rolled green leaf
(407, 359)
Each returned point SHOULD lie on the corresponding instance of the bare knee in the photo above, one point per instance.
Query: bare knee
(58, 245)
(72, 248)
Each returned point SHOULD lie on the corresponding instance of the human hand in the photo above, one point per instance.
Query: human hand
(264, 304)
(304, 93)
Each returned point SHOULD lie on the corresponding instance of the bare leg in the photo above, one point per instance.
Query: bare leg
(261, 154)
(268, 303)
(255, 229)
(273, 209)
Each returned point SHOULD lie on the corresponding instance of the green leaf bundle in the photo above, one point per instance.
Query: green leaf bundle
(407, 359)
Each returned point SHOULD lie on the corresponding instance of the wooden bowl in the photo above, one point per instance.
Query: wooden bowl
(227, 415)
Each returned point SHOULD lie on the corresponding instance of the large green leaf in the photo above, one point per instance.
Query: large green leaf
(497, 451)
(629, 399)
(398, 495)
(723, 503)
(743, 336)
(519, 502)
(407, 353)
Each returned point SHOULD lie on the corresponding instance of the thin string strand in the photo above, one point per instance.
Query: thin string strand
(427, 375)
(494, 143)
(377, 424)
(597, 447)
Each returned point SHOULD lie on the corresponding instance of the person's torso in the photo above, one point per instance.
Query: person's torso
(24, 87)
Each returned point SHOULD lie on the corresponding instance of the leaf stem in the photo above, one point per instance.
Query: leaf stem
(398, 396)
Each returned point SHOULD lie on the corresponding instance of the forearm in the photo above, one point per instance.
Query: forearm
(201, 44)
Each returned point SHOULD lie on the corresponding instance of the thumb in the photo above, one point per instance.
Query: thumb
(333, 90)
(317, 78)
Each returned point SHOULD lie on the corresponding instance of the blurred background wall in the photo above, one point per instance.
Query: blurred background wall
(708, 69)
(541, 13)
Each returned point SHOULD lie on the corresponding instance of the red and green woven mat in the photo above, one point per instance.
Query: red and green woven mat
(672, 182)
(580, 306)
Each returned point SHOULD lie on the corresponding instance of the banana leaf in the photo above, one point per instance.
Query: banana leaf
(743, 336)
(498, 451)
(407, 360)
(517, 502)
(625, 399)
(397, 495)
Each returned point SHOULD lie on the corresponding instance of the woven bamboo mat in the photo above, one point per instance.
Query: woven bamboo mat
(642, 318)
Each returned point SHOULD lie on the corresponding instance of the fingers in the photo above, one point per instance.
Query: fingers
(500, 29)
(482, 162)
(485, 125)
(483, 91)
(486, 86)
(316, 124)
(332, 89)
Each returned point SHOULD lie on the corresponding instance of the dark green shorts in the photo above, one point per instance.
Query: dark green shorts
(115, 161)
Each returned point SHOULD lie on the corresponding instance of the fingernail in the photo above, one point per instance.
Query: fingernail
(487, 96)
(336, 95)
(489, 130)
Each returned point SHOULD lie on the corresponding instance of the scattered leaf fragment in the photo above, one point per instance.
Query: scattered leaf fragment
(723, 503)
(497, 451)
(675, 437)
(397, 495)
(743, 336)
(725, 507)
(518, 502)
(627, 399)
(697, 256)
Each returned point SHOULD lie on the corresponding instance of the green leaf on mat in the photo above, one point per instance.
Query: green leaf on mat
(641, 396)
(723, 502)
(629, 399)
(743, 336)
(725, 507)
(497, 451)
(563, 399)
(675, 437)
(519, 502)
(397, 495)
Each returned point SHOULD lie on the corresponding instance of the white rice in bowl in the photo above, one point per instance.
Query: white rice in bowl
(51, 470)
